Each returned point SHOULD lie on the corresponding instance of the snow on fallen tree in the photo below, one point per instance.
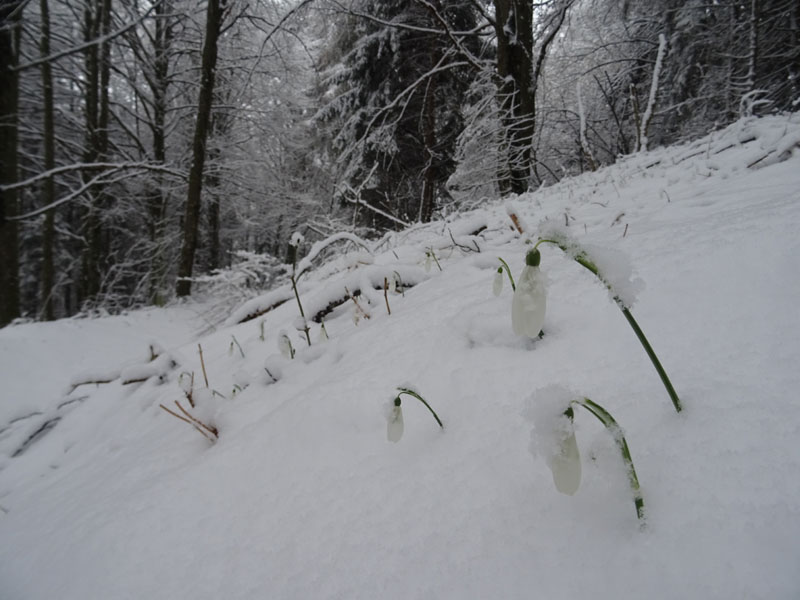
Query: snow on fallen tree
(362, 282)
(158, 368)
(306, 263)
(260, 305)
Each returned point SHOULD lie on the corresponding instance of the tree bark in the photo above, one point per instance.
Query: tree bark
(214, 17)
(157, 200)
(430, 174)
(10, 18)
(49, 192)
(519, 69)
(97, 22)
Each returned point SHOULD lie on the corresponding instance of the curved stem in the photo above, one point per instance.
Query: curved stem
(433, 256)
(619, 438)
(582, 259)
(676, 402)
(300, 306)
(421, 399)
(508, 272)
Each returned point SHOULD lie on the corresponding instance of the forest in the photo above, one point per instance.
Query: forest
(149, 147)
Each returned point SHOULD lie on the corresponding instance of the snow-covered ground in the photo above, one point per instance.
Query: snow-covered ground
(303, 497)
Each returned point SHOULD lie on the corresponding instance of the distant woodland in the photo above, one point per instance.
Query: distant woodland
(146, 144)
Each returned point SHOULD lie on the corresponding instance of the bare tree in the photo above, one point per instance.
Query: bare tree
(10, 18)
(49, 192)
(215, 15)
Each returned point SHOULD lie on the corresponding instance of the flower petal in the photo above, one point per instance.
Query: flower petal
(529, 304)
(394, 429)
(566, 466)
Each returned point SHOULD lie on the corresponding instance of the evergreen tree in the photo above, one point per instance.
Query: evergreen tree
(392, 100)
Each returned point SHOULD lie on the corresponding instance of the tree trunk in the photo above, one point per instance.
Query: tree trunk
(97, 22)
(49, 192)
(517, 80)
(794, 68)
(10, 17)
(157, 200)
(752, 51)
(430, 174)
(214, 17)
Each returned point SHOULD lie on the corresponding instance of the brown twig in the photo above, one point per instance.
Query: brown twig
(210, 428)
(177, 416)
(202, 363)
(386, 294)
(624, 233)
(190, 394)
(88, 382)
(515, 220)
(363, 313)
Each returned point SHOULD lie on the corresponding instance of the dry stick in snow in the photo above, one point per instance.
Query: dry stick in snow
(386, 294)
(360, 310)
(515, 221)
(202, 363)
(88, 382)
(177, 416)
(209, 428)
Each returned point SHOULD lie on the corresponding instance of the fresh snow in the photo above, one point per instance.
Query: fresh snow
(105, 495)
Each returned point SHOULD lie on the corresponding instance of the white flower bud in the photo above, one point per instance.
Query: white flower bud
(497, 285)
(241, 379)
(285, 345)
(529, 303)
(185, 381)
(428, 261)
(566, 465)
(394, 428)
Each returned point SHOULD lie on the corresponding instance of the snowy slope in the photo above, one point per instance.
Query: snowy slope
(302, 496)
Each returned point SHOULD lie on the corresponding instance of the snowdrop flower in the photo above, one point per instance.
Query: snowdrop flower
(530, 299)
(497, 285)
(565, 461)
(285, 345)
(186, 382)
(241, 379)
(428, 261)
(394, 428)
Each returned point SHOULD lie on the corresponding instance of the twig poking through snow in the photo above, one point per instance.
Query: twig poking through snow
(202, 363)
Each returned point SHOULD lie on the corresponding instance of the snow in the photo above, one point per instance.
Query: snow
(303, 496)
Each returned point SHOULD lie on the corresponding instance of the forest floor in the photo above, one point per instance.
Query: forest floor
(105, 495)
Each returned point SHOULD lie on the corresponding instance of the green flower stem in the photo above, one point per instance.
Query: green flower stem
(235, 341)
(293, 258)
(436, 260)
(616, 432)
(654, 359)
(582, 259)
(300, 306)
(421, 399)
(508, 272)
